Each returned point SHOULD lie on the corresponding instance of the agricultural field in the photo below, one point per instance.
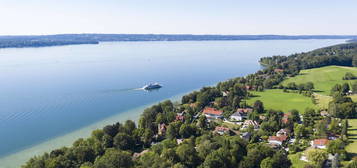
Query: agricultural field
(278, 100)
(324, 78)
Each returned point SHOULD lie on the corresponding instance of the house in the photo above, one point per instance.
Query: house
(246, 136)
(248, 87)
(283, 132)
(225, 93)
(161, 129)
(248, 123)
(320, 143)
(212, 113)
(245, 110)
(179, 141)
(332, 136)
(277, 140)
(221, 130)
(180, 117)
(238, 116)
(324, 113)
(278, 70)
(285, 118)
(193, 105)
(136, 155)
(262, 117)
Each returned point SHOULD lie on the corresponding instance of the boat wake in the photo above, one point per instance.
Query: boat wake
(121, 90)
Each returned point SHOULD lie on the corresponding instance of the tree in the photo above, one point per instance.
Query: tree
(309, 86)
(113, 159)
(129, 127)
(345, 88)
(124, 141)
(111, 130)
(202, 122)
(267, 163)
(292, 86)
(188, 155)
(84, 154)
(258, 106)
(317, 156)
(321, 130)
(280, 159)
(173, 130)
(215, 159)
(336, 147)
(352, 164)
(295, 116)
(308, 117)
(354, 87)
(186, 131)
(344, 127)
(337, 89)
(349, 76)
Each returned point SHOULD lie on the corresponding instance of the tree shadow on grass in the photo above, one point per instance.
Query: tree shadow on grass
(252, 96)
(318, 91)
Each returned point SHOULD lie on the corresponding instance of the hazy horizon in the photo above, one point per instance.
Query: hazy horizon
(229, 17)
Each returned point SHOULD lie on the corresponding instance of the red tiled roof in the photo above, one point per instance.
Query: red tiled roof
(244, 110)
(278, 70)
(180, 118)
(285, 118)
(320, 141)
(221, 129)
(278, 138)
(209, 110)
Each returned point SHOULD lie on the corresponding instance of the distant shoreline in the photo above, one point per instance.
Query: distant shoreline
(35, 41)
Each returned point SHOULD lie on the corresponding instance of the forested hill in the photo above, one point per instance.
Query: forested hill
(342, 54)
(69, 39)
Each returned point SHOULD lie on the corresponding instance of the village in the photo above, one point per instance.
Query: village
(239, 124)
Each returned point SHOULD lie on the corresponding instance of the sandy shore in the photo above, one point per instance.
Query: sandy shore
(19, 158)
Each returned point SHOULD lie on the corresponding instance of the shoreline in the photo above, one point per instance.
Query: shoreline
(19, 158)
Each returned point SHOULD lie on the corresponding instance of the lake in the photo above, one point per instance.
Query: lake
(47, 95)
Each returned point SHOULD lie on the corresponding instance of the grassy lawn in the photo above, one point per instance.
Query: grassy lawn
(322, 100)
(278, 100)
(296, 162)
(324, 78)
(352, 137)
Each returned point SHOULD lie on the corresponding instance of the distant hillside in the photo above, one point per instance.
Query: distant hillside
(69, 39)
(342, 54)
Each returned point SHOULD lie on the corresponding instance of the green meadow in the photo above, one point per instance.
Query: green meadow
(278, 100)
(324, 78)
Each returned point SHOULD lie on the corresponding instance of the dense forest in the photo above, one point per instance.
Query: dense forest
(181, 135)
(69, 39)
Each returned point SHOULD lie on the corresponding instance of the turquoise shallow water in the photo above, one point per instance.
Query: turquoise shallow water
(53, 92)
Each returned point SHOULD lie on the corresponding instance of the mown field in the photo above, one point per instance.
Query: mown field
(352, 137)
(324, 78)
(278, 100)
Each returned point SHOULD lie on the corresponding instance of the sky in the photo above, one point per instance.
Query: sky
(284, 17)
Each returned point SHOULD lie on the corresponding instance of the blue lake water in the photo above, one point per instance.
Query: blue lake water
(49, 92)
